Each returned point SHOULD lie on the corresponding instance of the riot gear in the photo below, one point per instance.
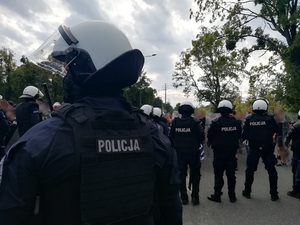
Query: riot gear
(31, 92)
(186, 107)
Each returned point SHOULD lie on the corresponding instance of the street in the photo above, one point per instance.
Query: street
(259, 210)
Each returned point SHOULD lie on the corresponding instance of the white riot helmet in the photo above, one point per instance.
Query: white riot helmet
(31, 92)
(97, 55)
(299, 115)
(1, 97)
(225, 104)
(186, 106)
(225, 107)
(148, 109)
(260, 105)
(157, 112)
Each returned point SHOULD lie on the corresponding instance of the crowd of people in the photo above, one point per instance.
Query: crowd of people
(17, 119)
(98, 160)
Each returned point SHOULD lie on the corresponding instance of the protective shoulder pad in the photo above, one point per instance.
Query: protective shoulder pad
(75, 111)
(297, 125)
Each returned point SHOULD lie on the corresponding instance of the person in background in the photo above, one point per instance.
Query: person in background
(284, 123)
(56, 105)
(4, 127)
(201, 116)
(27, 112)
(294, 136)
(260, 130)
(13, 134)
(187, 135)
(223, 135)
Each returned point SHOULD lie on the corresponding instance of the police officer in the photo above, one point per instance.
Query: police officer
(157, 118)
(97, 161)
(187, 135)
(260, 129)
(4, 126)
(294, 135)
(223, 135)
(27, 112)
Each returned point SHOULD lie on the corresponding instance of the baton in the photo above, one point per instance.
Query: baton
(44, 85)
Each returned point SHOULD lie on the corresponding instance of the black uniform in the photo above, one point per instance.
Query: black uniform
(27, 115)
(294, 135)
(4, 128)
(186, 135)
(100, 165)
(224, 134)
(259, 130)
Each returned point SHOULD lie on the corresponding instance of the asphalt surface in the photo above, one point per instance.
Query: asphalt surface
(259, 210)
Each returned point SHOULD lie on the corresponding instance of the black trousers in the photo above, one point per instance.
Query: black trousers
(225, 161)
(269, 160)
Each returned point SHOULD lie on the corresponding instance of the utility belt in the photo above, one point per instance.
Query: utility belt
(263, 147)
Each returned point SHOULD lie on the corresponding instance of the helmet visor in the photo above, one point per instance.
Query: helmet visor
(43, 58)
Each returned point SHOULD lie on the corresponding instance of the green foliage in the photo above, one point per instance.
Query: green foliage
(141, 93)
(221, 70)
(167, 107)
(177, 107)
(244, 19)
(15, 78)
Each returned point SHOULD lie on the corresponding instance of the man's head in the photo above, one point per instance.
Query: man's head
(225, 108)
(11, 114)
(97, 55)
(31, 93)
(186, 108)
(260, 106)
(3, 105)
(148, 110)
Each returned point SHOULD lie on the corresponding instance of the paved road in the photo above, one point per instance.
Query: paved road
(259, 210)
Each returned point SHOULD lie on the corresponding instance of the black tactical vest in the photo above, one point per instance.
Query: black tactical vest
(260, 131)
(23, 115)
(113, 152)
(227, 134)
(186, 135)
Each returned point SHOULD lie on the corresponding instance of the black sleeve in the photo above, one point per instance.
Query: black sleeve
(172, 130)
(201, 134)
(168, 208)
(290, 135)
(239, 128)
(210, 132)
(245, 133)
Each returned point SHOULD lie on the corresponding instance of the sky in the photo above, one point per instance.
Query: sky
(160, 27)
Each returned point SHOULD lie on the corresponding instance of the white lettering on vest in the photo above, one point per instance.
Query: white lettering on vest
(228, 129)
(109, 146)
(258, 123)
(183, 130)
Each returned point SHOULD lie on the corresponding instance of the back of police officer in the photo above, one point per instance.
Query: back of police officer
(223, 135)
(97, 161)
(294, 136)
(260, 129)
(27, 112)
(187, 135)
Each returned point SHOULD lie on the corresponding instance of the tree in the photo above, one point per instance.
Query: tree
(13, 79)
(7, 66)
(167, 107)
(140, 93)
(177, 106)
(220, 70)
(274, 25)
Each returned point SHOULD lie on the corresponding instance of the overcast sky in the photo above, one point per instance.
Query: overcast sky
(159, 27)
